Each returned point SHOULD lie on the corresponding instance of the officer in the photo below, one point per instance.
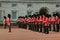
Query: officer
(9, 22)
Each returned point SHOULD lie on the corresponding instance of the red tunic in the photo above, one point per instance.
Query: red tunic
(28, 20)
(49, 20)
(31, 20)
(53, 20)
(43, 20)
(21, 20)
(4, 21)
(35, 20)
(40, 20)
(9, 21)
(56, 20)
(46, 23)
(25, 21)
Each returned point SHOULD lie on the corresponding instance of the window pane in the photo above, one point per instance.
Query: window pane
(14, 14)
(13, 5)
(57, 5)
(29, 5)
(29, 12)
(0, 13)
(0, 4)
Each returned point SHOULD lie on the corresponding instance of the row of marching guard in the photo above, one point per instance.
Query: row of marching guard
(40, 22)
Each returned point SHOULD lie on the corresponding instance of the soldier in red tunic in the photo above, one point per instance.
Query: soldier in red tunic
(29, 22)
(33, 22)
(57, 23)
(43, 20)
(53, 21)
(40, 23)
(25, 23)
(32, 25)
(21, 21)
(9, 22)
(46, 24)
(4, 22)
(18, 22)
(37, 26)
(49, 22)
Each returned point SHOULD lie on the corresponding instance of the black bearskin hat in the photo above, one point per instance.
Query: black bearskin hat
(54, 14)
(9, 16)
(4, 17)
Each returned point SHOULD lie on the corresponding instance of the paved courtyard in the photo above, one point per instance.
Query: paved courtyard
(24, 34)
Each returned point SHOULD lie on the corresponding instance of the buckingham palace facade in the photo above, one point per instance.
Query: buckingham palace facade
(26, 7)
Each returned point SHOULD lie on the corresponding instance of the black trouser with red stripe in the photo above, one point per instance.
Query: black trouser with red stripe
(40, 27)
(46, 29)
(9, 28)
(32, 26)
(5, 25)
(53, 27)
(20, 25)
(25, 26)
(57, 28)
(37, 27)
(49, 27)
(29, 26)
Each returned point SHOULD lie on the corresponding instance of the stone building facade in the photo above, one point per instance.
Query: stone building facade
(26, 7)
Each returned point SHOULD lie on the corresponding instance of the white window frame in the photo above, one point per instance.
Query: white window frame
(12, 15)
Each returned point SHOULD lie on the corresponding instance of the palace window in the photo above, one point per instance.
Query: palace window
(29, 5)
(0, 4)
(29, 12)
(14, 5)
(57, 5)
(0, 14)
(14, 13)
